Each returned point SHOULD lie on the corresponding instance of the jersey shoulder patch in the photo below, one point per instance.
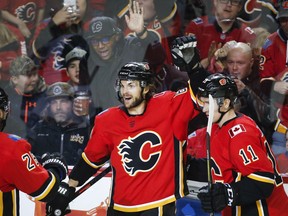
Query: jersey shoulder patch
(181, 91)
(237, 129)
(14, 137)
(249, 30)
(198, 21)
(266, 44)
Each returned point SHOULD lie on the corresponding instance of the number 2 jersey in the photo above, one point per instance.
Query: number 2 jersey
(238, 150)
(146, 151)
(20, 170)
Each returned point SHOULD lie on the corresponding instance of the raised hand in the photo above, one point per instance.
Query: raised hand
(185, 53)
(135, 20)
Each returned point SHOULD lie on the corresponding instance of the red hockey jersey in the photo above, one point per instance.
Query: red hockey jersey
(239, 149)
(207, 30)
(273, 65)
(20, 169)
(146, 151)
(25, 10)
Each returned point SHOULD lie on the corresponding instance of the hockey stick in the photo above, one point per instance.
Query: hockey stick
(90, 183)
(208, 137)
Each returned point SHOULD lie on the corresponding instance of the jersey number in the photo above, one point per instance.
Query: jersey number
(30, 161)
(245, 157)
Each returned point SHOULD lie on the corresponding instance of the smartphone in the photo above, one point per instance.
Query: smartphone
(71, 4)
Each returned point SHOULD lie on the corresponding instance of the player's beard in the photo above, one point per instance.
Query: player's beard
(136, 102)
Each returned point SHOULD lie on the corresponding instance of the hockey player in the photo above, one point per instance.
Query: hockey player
(19, 169)
(244, 171)
(144, 140)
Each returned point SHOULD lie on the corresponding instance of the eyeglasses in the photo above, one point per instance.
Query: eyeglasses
(103, 40)
(233, 2)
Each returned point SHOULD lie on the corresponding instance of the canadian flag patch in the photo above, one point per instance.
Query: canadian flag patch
(237, 129)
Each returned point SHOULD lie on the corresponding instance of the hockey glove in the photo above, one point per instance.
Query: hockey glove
(55, 163)
(215, 200)
(185, 53)
(58, 206)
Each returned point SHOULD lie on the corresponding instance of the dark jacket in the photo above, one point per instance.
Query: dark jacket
(103, 74)
(25, 109)
(70, 141)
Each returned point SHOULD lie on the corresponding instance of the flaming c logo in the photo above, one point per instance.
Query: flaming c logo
(134, 158)
(254, 8)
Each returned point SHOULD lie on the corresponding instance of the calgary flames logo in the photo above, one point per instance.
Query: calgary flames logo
(254, 10)
(139, 154)
(27, 12)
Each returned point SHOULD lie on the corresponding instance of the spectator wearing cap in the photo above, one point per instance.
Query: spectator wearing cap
(72, 63)
(77, 71)
(55, 37)
(110, 50)
(59, 129)
(274, 77)
(27, 92)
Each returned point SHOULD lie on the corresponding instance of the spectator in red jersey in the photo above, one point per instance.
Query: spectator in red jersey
(19, 168)
(274, 76)
(27, 91)
(214, 31)
(23, 14)
(64, 27)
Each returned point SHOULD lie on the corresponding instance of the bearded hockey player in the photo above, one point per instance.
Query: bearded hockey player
(144, 140)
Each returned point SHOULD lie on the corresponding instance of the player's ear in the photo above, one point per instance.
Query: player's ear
(146, 89)
(226, 105)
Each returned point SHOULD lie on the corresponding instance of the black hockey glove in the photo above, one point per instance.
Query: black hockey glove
(185, 54)
(58, 206)
(215, 200)
(55, 163)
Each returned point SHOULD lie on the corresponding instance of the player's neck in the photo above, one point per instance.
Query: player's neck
(227, 117)
(137, 110)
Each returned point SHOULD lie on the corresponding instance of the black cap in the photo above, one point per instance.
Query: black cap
(102, 26)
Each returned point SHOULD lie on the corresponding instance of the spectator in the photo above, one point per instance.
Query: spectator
(72, 64)
(243, 168)
(273, 73)
(11, 45)
(24, 15)
(60, 130)
(110, 51)
(261, 36)
(55, 37)
(213, 32)
(77, 71)
(27, 91)
(251, 101)
(240, 65)
(133, 164)
(20, 169)
(163, 19)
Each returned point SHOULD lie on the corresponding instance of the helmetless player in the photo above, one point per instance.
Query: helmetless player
(244, 172)
(144, 140)
(19, 169)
